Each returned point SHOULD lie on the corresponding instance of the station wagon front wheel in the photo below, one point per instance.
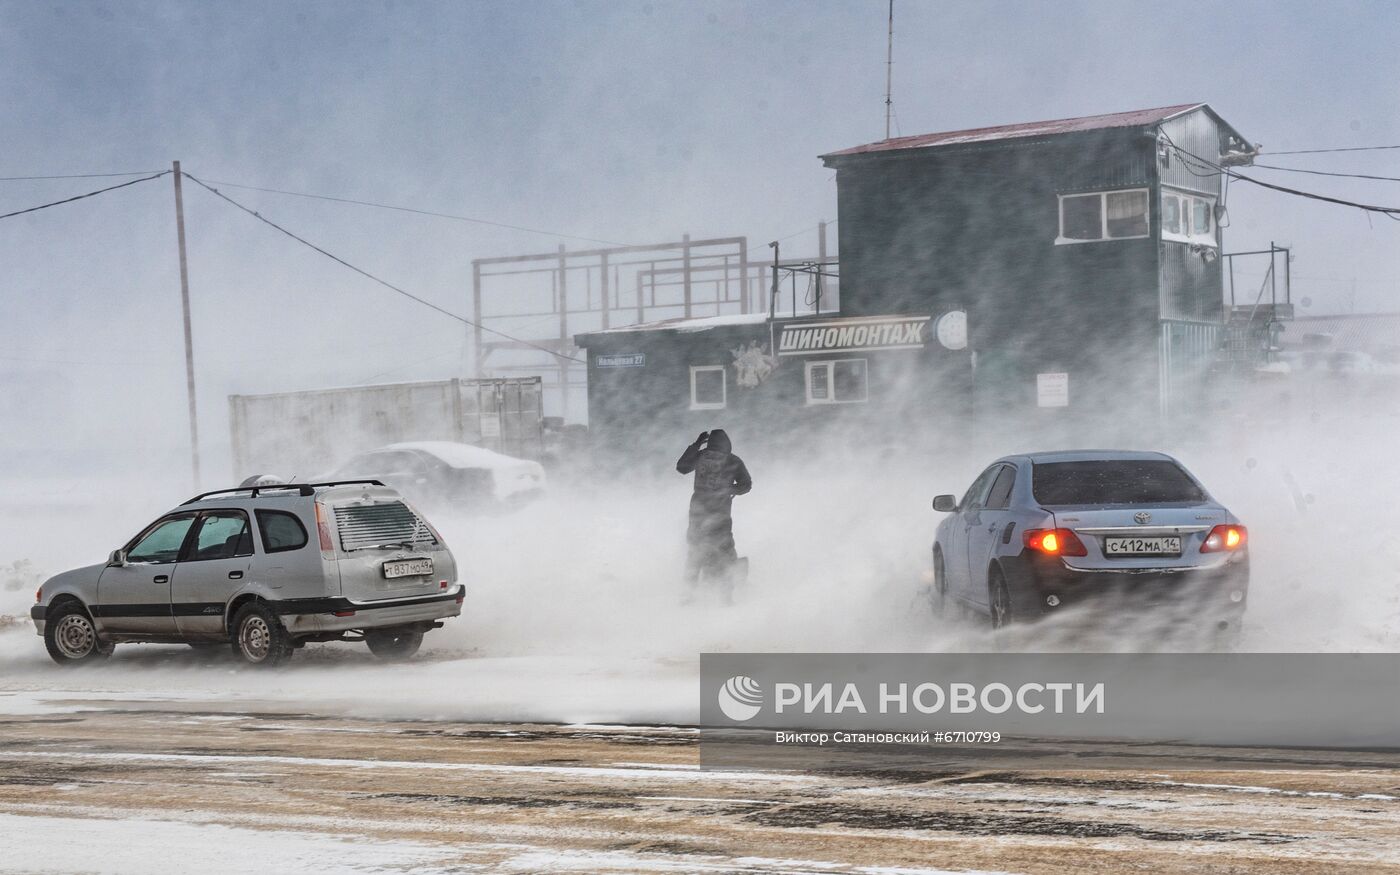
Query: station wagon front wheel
(259, 638)
(71, 637)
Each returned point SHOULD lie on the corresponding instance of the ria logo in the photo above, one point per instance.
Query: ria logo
(741, 698)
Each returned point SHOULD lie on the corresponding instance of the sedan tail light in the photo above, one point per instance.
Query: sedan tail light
(1055, 542)
(1224, 539)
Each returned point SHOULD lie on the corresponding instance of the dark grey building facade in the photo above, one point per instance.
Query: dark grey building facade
(1087, 247)
(1052, 267)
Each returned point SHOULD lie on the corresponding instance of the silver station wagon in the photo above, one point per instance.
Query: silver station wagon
(264, 569)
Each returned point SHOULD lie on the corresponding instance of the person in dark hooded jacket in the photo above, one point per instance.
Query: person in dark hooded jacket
(719, 476)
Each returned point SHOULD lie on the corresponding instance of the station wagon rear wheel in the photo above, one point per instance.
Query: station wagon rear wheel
(71, 637)
(259, 638)
(391, 644)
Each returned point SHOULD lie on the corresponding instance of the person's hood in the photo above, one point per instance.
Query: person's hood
(719, 442)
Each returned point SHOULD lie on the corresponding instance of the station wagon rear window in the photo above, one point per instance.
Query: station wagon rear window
(393, 523)
(1113, 481)
(280, 531)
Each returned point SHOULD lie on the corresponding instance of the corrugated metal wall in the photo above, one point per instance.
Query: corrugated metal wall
(1186, 351)
(1198, 133)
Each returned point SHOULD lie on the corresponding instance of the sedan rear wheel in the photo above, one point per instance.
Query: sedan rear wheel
(71, 637)
(998, 599)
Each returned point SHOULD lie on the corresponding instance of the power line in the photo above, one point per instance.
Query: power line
(421, 212)
(1328, 173)
(806, 230)
(69, 200)
(1348, 149)
(364, 273)
(1392, 212)
(74, 176)
(99, 363)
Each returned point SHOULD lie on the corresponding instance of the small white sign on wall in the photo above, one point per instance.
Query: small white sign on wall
(1052, 390)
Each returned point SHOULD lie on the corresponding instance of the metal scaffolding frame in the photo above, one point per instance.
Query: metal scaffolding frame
(611, 287)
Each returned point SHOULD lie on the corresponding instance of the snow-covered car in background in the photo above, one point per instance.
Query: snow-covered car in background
(448, 475)
(265, 569)
(1041, 532)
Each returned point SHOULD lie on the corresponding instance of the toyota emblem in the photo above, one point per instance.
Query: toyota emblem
(1142, 517)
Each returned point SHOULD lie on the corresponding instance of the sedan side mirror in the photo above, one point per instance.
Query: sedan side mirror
(945, 503)
(117, 558)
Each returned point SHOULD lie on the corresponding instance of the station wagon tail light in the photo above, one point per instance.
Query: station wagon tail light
(1224, 539)
(323, 529)
(39, 594)
(1055, 542)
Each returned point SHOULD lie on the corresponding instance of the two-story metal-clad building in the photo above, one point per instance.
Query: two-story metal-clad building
(1015, 274)
(1085, 247)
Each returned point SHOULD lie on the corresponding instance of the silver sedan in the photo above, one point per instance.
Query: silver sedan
(1038, 533)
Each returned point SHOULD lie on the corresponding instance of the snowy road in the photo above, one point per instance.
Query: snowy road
(145, 782)
(472, 757)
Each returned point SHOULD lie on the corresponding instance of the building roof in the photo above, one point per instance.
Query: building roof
(1134, 119)
(682, 325)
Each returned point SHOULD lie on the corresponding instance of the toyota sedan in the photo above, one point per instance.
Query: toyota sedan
(1039, 533)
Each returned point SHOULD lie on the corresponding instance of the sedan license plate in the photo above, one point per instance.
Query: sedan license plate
(1170, 546)
(408, 568)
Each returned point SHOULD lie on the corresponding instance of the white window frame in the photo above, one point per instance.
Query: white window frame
(1187, 201)
(830, 367)
(724, 387)
(1062, 240)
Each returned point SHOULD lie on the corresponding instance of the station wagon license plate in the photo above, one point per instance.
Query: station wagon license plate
(408, 568)
(1170, 546)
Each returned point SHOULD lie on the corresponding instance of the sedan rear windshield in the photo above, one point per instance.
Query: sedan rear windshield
(1121, 481)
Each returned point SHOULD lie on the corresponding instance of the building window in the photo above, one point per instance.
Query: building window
(1188, 218)
(839, 381)
(1103, 215)
(707, 387)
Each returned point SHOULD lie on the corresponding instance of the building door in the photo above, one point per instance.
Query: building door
(1186, 352)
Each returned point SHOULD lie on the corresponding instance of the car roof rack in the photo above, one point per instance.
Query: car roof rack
(302, 488)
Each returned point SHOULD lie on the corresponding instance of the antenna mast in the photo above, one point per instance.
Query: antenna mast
(889, 72)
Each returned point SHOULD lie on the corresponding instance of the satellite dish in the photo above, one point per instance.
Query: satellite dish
(951, 329)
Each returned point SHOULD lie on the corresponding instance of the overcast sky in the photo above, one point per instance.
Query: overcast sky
(625, 121)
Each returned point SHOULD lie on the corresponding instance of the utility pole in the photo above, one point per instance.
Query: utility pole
(889, 73)
(189, 338)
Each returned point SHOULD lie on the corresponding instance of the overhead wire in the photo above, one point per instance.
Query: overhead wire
(78, 197)
(366, 274)
(453, 216)
(1343, 149)
(416, 210)
(1328, 173)
(1391, 212)
(75, 176)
